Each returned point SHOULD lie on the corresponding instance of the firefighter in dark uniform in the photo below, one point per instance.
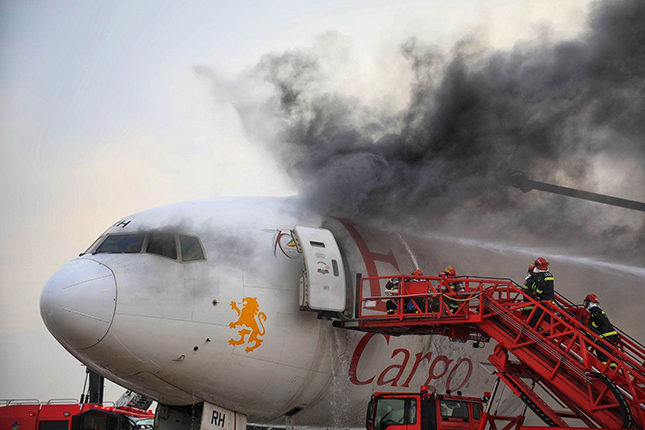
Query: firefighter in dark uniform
(599, 322)
(529, 289)
(392, 289)
(452, 287)
(544, 288)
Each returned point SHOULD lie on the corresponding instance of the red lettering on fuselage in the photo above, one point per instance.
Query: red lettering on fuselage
(454, 369)
(419, 358)
(439, 368)
(401, 367)
(431, 375)
(353, 365)
(370, 258)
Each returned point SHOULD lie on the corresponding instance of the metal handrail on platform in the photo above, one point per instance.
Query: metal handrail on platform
(551, 338)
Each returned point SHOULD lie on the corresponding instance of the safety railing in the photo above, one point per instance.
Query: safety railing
(7, 402)
(434, 297)
(425, 296)
(556, 328)
(562, 336)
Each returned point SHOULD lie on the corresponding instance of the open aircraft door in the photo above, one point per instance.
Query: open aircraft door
(322, 286)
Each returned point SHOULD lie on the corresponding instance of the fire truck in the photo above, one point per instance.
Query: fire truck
(65, 415)
(425, 411)
(551, 348)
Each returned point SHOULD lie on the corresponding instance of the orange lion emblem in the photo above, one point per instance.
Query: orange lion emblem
(250, 317)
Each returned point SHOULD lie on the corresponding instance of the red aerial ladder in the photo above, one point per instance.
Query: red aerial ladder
(553, 345)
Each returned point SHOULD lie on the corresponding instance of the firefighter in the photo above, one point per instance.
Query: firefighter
(544, 288)
(529, 289)
(410, 308)
(392, 289)
(451, 287)
(599, 322)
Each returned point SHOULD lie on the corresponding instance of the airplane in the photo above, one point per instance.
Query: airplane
(227, 302)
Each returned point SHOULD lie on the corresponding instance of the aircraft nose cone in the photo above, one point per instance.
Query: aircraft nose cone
(78, 303)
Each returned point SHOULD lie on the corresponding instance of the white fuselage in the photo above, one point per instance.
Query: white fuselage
(163, 327)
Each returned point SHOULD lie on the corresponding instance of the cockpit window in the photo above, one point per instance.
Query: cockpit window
(162, 244)
(159, 243)
(91, 247)
(121, 243)
(191, 250)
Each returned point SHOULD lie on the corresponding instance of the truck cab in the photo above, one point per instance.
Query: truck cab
(423, 411)
(56, 415)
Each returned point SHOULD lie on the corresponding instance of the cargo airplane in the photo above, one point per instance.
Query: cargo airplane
(223, 304)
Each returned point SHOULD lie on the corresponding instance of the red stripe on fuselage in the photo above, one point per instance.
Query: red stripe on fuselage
(370, 258)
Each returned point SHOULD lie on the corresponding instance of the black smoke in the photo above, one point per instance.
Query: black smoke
(564, 112)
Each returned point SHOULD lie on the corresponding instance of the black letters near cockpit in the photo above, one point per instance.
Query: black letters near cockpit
(218, 419)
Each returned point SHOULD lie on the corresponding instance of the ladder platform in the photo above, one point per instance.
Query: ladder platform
(551, 340)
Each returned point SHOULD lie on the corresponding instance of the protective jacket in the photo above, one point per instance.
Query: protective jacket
(529, 288)
(544, 288)
(392, 289)
(453, 287)
(600, 323)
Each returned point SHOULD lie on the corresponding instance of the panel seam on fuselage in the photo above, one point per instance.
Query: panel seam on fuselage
(282, 364)
(170, 319)
(270, 288)
(116, 298)
(86, 315)
(89, 280)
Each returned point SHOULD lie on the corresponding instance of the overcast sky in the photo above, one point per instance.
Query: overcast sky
(102, 115)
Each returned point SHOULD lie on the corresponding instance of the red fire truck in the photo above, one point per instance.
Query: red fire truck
(62, 415)
(424, 411)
